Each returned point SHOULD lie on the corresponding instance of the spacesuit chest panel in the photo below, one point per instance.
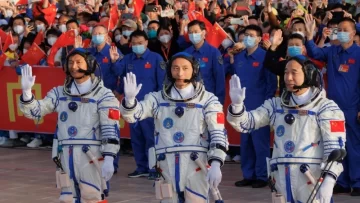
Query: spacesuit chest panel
(78, 118)
(302, 138)
(179, 123)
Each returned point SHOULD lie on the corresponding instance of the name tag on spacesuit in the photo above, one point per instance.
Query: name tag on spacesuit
(62, 180)
(344, 68)
(163, 190)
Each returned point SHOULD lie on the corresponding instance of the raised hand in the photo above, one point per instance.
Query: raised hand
(131, 89)
(27, 81)
(114, 54)
(237, 94)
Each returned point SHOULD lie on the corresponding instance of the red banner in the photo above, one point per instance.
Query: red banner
(46, 79)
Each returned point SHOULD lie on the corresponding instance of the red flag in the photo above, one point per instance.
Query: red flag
(138, 6)
(114, 114)
(2, 60)
(114, 17)
(8, 41)
(33, 55)
(220, 118)
(198, 16)
(191, 7)
(3, 36)
(337, 126)
(67, 38)
(39, 38)
(86, 43)
(216, 35)
(50, 13)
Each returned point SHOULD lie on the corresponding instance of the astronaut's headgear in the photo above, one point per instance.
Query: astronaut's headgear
(195, 65)
(91, 62)
(312, 75)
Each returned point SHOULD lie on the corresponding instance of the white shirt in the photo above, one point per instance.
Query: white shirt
(302, 99)
(184, 93)
(83, 87)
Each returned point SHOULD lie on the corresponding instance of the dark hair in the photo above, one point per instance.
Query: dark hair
(253, 17)
(297, 21)
(139, 33)
(72, 21)
(87, 16)
(274, 28)
(42, 19)
(162, 28)
(256, 28)
(17, 18)
(231, 32)
(296, 36)
(199, 23)
(154, 21)
(332, 22)
(53, 31)
(350, 20)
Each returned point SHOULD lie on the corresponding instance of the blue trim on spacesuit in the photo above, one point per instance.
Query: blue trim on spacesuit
(289, 197)
(89, 184)
(177, 172)
(310, 145)
(94, 135)
(72, 174)
(66, 193)
(195, 193)
(295, 111)
(78, 99)
(181, 104)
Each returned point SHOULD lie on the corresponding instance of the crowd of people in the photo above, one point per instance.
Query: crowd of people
(256, 41)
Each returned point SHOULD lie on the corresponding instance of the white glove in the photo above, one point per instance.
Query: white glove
(27, 81)
(326, 190)
(237, 94)
(131, 89)
(107, 169)
(214, 174)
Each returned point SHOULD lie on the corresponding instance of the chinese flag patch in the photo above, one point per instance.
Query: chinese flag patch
(114, 114)
(255, 64)
(337, 126)
(220, 118)
(147, 65)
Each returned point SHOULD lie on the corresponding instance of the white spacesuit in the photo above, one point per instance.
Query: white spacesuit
(87, 131)
(188, 122)
(306, 132)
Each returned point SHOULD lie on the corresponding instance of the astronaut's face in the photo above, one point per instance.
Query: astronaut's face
(294, 75)
(75, 63)
(181, 70)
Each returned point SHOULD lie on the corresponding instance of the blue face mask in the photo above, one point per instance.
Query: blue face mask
(138, 49)
(294, 51)
(126, 33)
(343, 37)
(195, 38)
(152, 34)
(98, 39)
(249, 42)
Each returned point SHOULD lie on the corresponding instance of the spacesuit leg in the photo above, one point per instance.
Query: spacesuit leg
(148, 128)
(196, 188)
(138, 143)
(261, 142)
(247, 156)
(353, 148)
(68, 194)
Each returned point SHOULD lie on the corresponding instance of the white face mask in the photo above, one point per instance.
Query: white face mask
(19, 29)
(103, 14)
(24, 51)
(51, 40)
(131, 10)
(258, 3)
(62, 28)
(333, 37)
(271, 39)
(165, 38)
(40, 27)
(13, 47)
(117, 38)
(90, 29)
(9, 13)
(76, 32)
(226, 43)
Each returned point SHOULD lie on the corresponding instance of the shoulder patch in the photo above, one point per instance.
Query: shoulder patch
(163, 65)
(220, 60)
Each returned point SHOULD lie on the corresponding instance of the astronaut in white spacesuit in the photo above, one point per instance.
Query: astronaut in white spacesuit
(189, 131)
(87, 137)
(308, 127)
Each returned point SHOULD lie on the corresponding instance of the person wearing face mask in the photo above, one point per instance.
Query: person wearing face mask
(168, 46)
(226, 45)
(19, 27)
(51, 36)
(41, 24)
(298, 27)
(329, 34)
(343, 70)
(308, 128)
(178, 115)
(209, 58)
(149, 68)
(262, 85)
(62, 22)
(127, 27)
(152, 29)
(12, 52)
(70, 25)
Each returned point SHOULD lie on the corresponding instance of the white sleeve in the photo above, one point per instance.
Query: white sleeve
(248, 121)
